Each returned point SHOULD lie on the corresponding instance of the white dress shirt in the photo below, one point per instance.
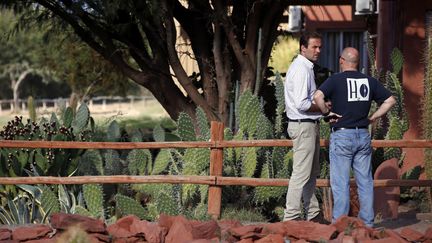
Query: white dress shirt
(299, 89)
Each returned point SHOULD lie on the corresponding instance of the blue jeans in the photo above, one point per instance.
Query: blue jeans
(351, 148)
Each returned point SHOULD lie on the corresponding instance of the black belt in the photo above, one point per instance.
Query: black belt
(304, 120)
(334, 129)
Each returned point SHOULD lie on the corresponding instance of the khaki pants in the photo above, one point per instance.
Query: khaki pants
(306, 169)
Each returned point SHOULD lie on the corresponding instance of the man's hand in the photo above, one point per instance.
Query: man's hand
(328, 104)
(332, 117)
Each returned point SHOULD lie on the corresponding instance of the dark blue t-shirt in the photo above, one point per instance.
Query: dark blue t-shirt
(351, 94)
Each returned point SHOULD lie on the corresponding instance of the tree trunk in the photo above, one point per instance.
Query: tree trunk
(15, 87)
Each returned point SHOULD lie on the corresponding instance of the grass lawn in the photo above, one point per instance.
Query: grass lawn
(140, 115)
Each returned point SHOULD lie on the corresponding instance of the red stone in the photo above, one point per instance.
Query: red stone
(33, 232)
(309, 231)
(239, 232)
(396, 237)
(63, 221)
(271, 238)
(205, 230)
(5, 234)
(411, 235)
(361, 234)
(180, 231)
(428, 233)
(344, 222)
(44, 240)
(122, 227)
(152, 232)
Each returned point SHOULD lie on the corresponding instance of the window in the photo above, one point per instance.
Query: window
(333, 44)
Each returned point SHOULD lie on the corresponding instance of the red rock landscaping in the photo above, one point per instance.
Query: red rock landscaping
(178, 229)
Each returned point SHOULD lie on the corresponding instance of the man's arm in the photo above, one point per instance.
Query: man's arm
(383, 109)
(320, 103)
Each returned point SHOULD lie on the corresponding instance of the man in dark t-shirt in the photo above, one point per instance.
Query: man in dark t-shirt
(351, 94)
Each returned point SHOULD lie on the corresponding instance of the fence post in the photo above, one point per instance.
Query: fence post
(216, 163)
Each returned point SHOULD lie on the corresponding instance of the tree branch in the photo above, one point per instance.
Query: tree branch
(179, 71)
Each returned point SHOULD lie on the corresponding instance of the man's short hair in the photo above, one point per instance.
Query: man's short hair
(304, 38)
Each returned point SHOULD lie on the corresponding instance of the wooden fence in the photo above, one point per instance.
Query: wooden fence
(215, 180)
(96, 103)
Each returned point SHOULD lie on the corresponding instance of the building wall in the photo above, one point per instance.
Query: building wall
(332, 17)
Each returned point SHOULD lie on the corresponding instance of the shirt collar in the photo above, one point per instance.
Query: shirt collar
(306, 61)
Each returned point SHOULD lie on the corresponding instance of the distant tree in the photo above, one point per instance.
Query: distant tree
(29, 53)
(83, 69)
(139, 37)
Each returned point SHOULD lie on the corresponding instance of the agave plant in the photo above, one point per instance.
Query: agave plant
(25, 208)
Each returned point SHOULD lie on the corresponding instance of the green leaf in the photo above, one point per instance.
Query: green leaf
(81, 118)
(203, 124)
(49, 200)
(138, 160)
(113, 133)
(162, 161)
(68, 117)
(127, 206)
(158, 133)
(185, 127)
(93, 197)
(249, 161)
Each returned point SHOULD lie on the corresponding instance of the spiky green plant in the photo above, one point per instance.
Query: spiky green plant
(280, 108)
(93, 196)
(64, 162)
(25, 208)
(397, 120)
(427, 105)
(127, 205)
(427, 111)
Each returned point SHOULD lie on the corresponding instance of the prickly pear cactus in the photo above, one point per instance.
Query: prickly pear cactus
(166, 204)
(81, 118)
(264, 128)
(185, 128)
(158, 133)
(126, 206)
(395, 132)
(91, 163)
(249, 161)
(93, 196)
(248, 111)
(68, 117)
(113, 132)
(139, 162)
(63, 162)
(49, 201)
(82, 211)
(280, 108)
(203, 125)
(162, 161)
(264, 193)
(113, 164)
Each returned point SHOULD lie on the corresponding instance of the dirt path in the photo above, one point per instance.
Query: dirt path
(408, 218)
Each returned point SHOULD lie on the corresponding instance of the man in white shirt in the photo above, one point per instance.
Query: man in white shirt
(303, 128)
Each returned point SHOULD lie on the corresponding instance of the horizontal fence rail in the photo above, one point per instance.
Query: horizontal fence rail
(408, 143)
(203, 180)
(215, 180)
